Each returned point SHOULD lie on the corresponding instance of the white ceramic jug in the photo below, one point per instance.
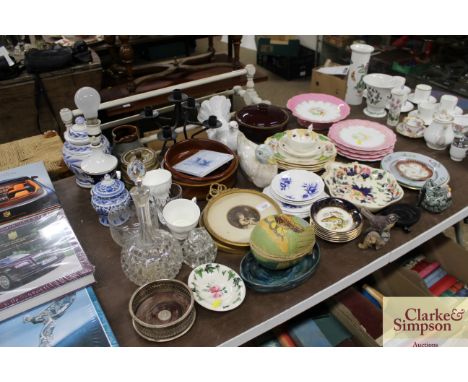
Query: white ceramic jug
(439, 134)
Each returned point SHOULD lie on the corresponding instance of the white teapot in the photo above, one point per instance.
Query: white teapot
(440, 133)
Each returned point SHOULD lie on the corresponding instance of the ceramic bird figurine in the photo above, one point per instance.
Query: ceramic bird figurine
(220, 106)
(378, 233)
(256, 161)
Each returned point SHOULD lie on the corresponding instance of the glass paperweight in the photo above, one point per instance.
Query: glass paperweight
(152, 254)
(199, 248)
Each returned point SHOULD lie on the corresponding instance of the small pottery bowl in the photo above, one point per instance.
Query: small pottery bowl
(184, 149)
(258, 122)
(280, 241)
(162, 310)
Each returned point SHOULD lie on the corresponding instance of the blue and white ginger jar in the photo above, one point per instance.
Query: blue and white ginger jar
(107, 194)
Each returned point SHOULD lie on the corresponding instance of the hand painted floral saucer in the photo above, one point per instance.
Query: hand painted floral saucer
(265, 280)
(362, 185)
(216, 287)
(318, 108)
(297, 185)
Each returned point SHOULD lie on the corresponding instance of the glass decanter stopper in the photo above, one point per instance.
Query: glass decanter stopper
(153, 254)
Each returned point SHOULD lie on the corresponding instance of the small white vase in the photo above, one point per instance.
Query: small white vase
(360, 58)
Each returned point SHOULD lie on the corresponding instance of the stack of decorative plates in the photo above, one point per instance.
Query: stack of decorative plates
(301, 149)
(362, 185)
(265, 280)
(231, 216)
(412, 170)
(362, 140)
(318, 109)
(336, 220)
(295, 191)
(291, 209)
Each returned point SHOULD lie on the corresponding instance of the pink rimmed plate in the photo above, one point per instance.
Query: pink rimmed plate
(318, 108)
(362, 135)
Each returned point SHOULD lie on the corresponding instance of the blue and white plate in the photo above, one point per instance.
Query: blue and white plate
(297, 186)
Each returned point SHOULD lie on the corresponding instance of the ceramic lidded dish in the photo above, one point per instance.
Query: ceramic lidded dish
(362, 185)
(260, 121)
(319, 109)
(281, 241)
(162, 310)
(216, 287)
(265, 280)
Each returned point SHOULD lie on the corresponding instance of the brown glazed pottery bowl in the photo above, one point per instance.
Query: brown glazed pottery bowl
(184, 149)
(162, 310)
(260, 121)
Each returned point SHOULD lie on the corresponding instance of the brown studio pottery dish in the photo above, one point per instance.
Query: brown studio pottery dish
(260, 121)
(162, 310)
(184, 149)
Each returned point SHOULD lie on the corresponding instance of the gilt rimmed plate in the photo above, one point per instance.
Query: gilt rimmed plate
(318, 108)
(297, 185)
(231, 216)
(363, 135)
(362, 185)
(439, 172)
(265, 280)
(216, 287)
(336, 215)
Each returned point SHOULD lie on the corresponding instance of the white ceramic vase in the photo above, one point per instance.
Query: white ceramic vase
(360, 58)
(378, 87)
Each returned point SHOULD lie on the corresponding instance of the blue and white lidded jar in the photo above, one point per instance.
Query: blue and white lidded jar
(77, 148)
(107, 194)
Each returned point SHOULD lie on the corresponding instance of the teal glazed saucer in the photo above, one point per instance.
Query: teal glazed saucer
(265, 280)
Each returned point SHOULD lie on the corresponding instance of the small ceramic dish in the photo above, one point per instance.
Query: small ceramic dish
(280, 241)
(265, 280)
(216, 287)
(411, 127)
(362, 185)
(336, 215)
(260, 121)
(162, 310)
(185, 149)
(431, 99)
(297, 185)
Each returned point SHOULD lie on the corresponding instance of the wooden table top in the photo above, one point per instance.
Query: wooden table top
(339, 265)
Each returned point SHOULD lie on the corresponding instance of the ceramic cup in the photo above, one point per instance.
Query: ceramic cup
(399, 81)
(426, 111)
(448, 103)
(378, 93)
(422, 93)
(301, 143)
(159, 182)
(413, 125)
(181, 216)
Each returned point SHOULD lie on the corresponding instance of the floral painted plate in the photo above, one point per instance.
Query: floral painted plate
(216, 287)
(318, 108)
(412, 170)
(297, 185)
(363, 135)
(265, 280)
(362, 185)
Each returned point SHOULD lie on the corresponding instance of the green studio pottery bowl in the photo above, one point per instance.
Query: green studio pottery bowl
(281, 241)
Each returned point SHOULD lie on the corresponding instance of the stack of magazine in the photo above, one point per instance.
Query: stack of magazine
(44, 272)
